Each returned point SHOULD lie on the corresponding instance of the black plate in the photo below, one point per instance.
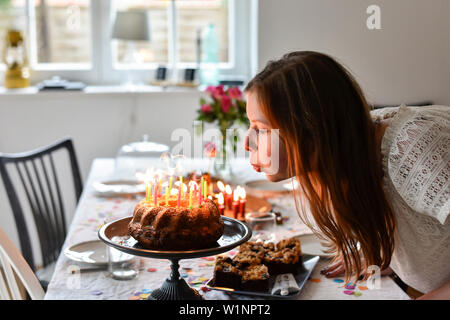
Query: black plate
(304, 271)
(234, 234)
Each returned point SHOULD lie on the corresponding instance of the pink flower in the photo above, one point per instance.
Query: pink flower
(206, 108)
(235, 93)
(210, 89)
(210, 149)
(226, 103)
(216, 92)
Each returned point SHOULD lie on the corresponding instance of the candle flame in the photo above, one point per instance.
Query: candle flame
(243, 194)
(228, 189)
(221, 186)
(236, 195)
(221, 200)
(174, 192)
(193, 184)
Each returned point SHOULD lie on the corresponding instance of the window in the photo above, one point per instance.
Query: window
(60, 31)
(72, 38)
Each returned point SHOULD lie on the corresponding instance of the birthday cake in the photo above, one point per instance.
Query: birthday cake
(176, 225)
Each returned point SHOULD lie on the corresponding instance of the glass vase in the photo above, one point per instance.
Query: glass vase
(222, 164)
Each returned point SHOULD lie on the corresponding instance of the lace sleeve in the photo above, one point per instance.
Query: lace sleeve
(417, 145)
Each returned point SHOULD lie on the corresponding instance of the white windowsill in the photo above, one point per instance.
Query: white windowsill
(94, 90)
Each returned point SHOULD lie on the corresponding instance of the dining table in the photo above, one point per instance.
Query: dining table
(94, 210)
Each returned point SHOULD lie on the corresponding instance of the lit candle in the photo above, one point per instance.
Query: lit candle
(149, 191)
(229, 196)
(221, 204)
(159, 188)
(181, 184)
(242, 202)
(156, 195)
(190, 197)
(179, 195)
(170, 184)
(167, 196)
(200, 192)
(205, 189)
(235, 205)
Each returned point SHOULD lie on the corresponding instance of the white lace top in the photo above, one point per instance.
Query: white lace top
(416, 164)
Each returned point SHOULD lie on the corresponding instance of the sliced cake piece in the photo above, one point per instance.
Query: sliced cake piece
(226, 274)
(255, 278)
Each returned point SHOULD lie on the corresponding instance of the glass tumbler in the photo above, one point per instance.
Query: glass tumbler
(262, 225)
(121, 266)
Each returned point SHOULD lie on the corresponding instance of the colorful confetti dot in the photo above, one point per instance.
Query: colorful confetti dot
(151, 269)
(202, 265)
(357, 293)
(349, 286)
(338, 280)
(349, 292)
(96, 293)
(134, 298)
(208, 258)
(144, 295)
(363, 288)
(315, 280)
(147, 290)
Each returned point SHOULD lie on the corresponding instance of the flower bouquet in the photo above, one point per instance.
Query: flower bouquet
(224, 108)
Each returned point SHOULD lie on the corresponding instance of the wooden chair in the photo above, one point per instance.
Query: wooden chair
(14, 266)
(40, 182)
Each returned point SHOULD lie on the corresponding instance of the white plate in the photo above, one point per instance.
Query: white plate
(118, 187)
(311, 244)
(266, 188)
(92, 252)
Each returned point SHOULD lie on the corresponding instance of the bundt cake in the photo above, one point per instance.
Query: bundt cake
(174, 227)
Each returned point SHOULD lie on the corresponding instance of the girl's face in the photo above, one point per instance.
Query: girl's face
(267, 150)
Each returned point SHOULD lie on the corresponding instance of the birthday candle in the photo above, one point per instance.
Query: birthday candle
(167, 196)
(179, 195)
(149, 191)
(205, 189)
(156, 195)
(181, 185)
(190, 198)
(159, 188)
(200, 191)
(170, 184)
(202, 182)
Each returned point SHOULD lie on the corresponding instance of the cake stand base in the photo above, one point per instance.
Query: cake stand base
(175, 288)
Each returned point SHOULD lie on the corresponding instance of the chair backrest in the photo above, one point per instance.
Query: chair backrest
(39, 179)
(13, 265)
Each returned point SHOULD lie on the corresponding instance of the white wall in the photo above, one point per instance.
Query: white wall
(407, 60)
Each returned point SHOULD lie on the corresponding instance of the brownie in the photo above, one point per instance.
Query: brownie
(247, 258)
(292, 244)
(226, 274)
(282, 261)
(255, 278)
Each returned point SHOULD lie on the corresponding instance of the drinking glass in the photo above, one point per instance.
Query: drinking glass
(262, 225)
(121, 266)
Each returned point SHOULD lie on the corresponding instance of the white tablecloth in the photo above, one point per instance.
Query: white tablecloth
(93, 211)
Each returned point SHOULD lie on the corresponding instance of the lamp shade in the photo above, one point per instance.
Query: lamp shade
(132, 25)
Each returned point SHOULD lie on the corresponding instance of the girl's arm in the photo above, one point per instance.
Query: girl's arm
(441, 293)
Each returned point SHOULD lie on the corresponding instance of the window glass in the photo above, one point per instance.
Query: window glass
(155, 50)
(195, 15)
(63, 31)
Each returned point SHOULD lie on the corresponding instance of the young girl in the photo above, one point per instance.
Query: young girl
(378, 191)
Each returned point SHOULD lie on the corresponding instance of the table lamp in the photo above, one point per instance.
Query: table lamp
(131, 26)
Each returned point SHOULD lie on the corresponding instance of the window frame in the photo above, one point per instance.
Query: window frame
(103, 71)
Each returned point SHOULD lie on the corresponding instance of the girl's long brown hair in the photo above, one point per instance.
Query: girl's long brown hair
(324, 118)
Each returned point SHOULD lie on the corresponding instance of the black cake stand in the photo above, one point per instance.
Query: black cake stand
(174, 288)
